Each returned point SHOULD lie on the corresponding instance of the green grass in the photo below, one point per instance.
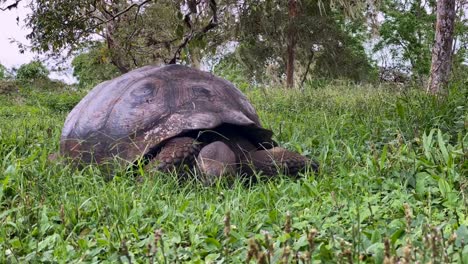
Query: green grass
(392, 186)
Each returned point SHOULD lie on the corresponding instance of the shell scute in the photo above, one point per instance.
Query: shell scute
(133, 113)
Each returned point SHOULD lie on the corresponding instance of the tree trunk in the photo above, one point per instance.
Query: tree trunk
(442, 50)
(291, 35)
(116, 59)
(195, 58)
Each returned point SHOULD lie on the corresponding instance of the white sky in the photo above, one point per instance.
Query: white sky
(9, 53)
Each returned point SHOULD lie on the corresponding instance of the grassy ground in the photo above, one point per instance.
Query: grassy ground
(392, 187)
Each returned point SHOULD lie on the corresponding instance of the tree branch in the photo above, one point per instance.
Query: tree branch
(10, 6)
(114, 16)
(212, 24)
(311, 57)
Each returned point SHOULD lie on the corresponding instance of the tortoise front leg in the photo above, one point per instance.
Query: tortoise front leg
(176, 152)
(215, 160)
(277, 159)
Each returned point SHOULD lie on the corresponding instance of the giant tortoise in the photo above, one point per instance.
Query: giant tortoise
(174, 115)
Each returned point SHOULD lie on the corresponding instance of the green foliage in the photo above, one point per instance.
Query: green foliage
(323, 41)
(63, 101)
(8, 87)
(408, 27)
(459, 60)
(3, 72)
(393, 174)
(460, 74)
(148, 32)
(407, 32)
(32, 71)
(135, 33)
(93, 67)
(346, 61)
(228, 68)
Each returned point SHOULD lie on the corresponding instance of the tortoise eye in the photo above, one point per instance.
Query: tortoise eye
(143, 90)
(200, 92)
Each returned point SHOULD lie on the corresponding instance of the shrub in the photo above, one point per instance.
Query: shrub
(55, 101)
(3, 72)
(8, 87)
(32, 71)
(93, 67)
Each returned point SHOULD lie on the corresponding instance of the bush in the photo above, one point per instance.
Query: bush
(3, 72)
(229, 69)
(63, 102)
(55, 101)
(93, 67)
(49, 85)
(32, 71)
(8, 87)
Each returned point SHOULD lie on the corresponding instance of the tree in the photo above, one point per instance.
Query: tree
(32, 71)
(3, 72)
(407, 36)
(442, 50)
(7, 5)
(140, 32)
(407, 32)
(136, 32)
(279, 41)
(291, 39)
(93, 67)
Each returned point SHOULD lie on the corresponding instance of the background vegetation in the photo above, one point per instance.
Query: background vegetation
(271, 42)
(392, 187)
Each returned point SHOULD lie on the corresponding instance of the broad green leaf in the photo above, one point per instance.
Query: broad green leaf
(211, 258)
(421, 181)
(444, 187)
(15, 243)
(106, 232)
(212, 244)
(48, 242)
(427, 144)
(383, 157)
(442, 146)
(376, 237)
(462, 235)
(301, 243)
(44, 222)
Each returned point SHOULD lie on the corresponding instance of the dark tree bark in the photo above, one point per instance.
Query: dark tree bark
(116, 59)
(193, 33)
(311, 57)
(291, 50)
(442, 50)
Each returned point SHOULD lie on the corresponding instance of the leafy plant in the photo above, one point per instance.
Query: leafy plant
(93, 67)
(8, 87)
(3, 72)
(32, 71)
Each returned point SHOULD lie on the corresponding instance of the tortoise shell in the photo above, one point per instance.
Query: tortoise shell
(131, 115)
